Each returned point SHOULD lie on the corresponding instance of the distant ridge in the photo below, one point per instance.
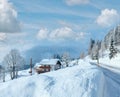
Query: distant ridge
(48, 51)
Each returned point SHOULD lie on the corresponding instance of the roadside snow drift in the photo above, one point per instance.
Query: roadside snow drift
(83, 80)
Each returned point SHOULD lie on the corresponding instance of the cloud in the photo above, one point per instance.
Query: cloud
(70, 25)
(61, 33)
(107, 18)
(64, 33)
(76, 2)
(42, 34)
(8, 17)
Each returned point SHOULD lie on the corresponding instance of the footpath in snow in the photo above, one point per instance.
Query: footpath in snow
(83, 80)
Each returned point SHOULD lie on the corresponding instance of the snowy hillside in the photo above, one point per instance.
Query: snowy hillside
(112, 64)
(83, 80)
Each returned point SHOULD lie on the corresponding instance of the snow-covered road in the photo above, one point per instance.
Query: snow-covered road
(112, 83)
(112, 80)
(112, 75)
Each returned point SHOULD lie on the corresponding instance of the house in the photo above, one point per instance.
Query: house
(47, 65)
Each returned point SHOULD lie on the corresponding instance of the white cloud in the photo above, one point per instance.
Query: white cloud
(8, 17)
(64, 33)
(107, 17)
(76, 2)
(61, 33)
(42, 34)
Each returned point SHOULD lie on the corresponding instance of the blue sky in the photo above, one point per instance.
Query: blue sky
(26, 24)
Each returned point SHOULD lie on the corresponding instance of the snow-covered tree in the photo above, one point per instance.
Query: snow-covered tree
(66, 58)
(13, 62)
(95, 52)
(98, 44)
(56, 56)
(103, 48)
(92, 42)
(2, 73)
(113, 51)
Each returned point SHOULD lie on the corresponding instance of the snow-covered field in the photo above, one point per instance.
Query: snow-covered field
(82, 80)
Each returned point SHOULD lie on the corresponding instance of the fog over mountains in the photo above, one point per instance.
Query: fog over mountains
(47, 51)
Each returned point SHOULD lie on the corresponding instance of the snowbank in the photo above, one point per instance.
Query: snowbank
(83, 80)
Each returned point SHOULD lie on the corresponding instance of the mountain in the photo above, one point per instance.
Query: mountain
(47, 51)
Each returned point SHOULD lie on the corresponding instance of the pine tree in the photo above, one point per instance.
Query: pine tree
(91, 45)
(112, 50)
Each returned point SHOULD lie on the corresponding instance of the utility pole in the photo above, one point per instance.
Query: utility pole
(30, 67)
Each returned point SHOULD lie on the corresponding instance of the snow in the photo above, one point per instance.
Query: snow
(72, 63)
(114, 62)
(83, 80)
(112, 84)
(111, 70)
(47, 62)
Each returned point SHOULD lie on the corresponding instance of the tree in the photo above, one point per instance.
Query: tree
(113, 51)
(13, 62)
(66, 58)
(2, 73)
(91, 45)
(95, 52)
(82, 55)
(103, 48)
(56, 56)
(98, 44)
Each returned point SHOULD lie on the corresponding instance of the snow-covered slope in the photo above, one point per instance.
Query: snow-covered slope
(83, 80)
(104, 61)
(111, 70)
(113, 63)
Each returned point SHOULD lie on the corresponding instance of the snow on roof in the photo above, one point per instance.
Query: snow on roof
(47, 62)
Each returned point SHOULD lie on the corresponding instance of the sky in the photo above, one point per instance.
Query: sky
(27, 25)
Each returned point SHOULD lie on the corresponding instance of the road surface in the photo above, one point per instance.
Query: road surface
(112, 80)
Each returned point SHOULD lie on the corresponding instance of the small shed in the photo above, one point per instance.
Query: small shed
(47, 65)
